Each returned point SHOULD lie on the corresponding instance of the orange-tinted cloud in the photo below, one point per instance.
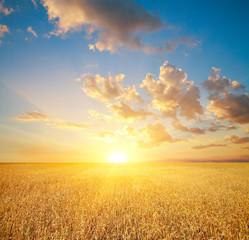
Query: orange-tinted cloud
(231, 127)
(130, 131)
(172, 94)
(157, 134)
(231, 107)
(108, 136)
(102, 88)
(109, 88)
(111, 137)
(96, 115)
(237, 140)
(5, 10)
(118, 23)
(131, 95)
(216, 126)
(35, 4)
(29, 29)
(3, 29)
(126, 111)
(91, 47)
(66, 124)
(37, 116)
(228, 100)
(33, 116)
(199, 147)
(177, 125)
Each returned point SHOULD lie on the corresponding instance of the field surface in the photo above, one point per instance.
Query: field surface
(124, 201)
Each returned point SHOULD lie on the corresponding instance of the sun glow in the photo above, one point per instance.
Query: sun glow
(117, 158)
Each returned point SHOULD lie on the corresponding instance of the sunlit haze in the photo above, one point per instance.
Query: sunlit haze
(117, 158)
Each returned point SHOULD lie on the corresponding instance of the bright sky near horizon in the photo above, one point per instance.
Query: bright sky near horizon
(155, 80)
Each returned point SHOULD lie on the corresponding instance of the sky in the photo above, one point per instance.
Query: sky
(153, 80)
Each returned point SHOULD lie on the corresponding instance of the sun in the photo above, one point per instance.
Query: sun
(117, 158)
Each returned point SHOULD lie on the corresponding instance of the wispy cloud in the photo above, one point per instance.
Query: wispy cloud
(195, 130)
(52, 122)
(29, 29)
(35, 4)
(5, 10)
(108, 137)
(126, 111)
(216, 126)
(33, 116)
(188, 41)
(66, 124)
(231, 127)
(237, 140)
(3, 29)
(199, 147)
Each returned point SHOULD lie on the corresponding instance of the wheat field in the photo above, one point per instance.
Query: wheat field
(124, 201)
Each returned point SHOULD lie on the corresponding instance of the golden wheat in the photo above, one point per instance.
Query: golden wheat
(124, 201)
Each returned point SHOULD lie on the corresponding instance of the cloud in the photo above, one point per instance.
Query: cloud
(108, 137)
(156, 134)
(228, 100)
(130, 131)
(5, 10)
(119, 24)
(131, 95)
(246, 127)
(172, 94)
(216, 126)
(231, 127)
(95, 115)
(171, 45)
(99, 116)
(3, 29)
(231, 107)
(159, 59)
(126, 111)
(109, 88)
(177, 125)
(52, 122)
(33, 116)
(112, 137)
(103, 89)
(237, 140)
(66, 124)
(35, 4)
(199, 147)
(217, 84)
(91, 47)
(29, 29)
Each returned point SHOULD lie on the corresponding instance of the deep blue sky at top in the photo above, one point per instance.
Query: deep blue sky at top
(222, 26)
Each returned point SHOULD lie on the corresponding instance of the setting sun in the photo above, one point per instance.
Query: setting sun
(117, 158)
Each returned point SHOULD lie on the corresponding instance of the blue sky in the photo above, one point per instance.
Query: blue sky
(38, 72)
